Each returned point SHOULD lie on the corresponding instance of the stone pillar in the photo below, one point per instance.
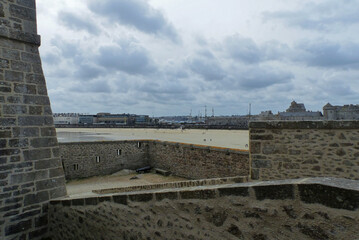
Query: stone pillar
(30, 167)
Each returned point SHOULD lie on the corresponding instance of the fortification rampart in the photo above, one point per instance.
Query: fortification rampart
(186, 160)
(30, 166)
(283, 150)
(294, 209)
(87, 159)
(198, 162)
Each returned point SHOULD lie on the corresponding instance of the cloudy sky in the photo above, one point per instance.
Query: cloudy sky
(168, 57)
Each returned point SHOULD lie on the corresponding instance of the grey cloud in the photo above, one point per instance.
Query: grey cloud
(242, 49)
(130, 59)
(88, 71)
(209, 69)
(98, 86)
(68, 50)
(327, 16)
(329, 54)
(77, 23)
(257, 78)
(135, 13)
(51, 58)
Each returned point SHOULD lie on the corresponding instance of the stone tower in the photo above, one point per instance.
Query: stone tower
(30, 168)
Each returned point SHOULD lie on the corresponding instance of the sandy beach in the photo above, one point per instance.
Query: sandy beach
(219, 138)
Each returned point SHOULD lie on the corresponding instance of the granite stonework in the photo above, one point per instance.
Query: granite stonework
(30, 166)
(198, 162)
(315, 209)
(283, 150)
(88, 159)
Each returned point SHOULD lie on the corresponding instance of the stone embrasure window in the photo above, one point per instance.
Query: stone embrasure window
(76, 167)
(97, 159)
(138, 144)
(119, 152)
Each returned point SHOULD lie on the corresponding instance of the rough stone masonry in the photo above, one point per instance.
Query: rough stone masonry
(30, 168)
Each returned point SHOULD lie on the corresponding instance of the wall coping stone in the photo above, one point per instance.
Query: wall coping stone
(319, 124)
(330, 192)
(182, 184)
(188, 145)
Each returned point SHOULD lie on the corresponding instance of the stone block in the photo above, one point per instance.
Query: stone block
(144, 197)
(29, 177)
(57, 172)
(38, 233)
(261, 164)
(121, 199)
(20, 66)
(58, 192)
(10, 54)
(36, 198)
(7, 121)
(35, 110)
(24, 88)
(13, 76)
(91, 201)
(23, 13)
(329, 196)
(19, 143)
(41, 90)
(254, 147)
(41, 221)
(14, 109)
(35, 79)
(4, 63)
(166, 195)
(51, 164)
(233, 191)
(78, 202)
(26, 132)
(18, 227)
(30, 58)
(26, 214)
(50, 183)
(274, 149)
(26, 3)
(261, 137)
(36, 100)
(48, 132)
(198, 194)
(43, 142)
(31, 120)
(37, 154)
(274, 192)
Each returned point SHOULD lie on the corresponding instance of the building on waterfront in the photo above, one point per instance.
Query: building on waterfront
(346, 112)
(297, 111)
(87, 119)
(66, 118)
(122, 119)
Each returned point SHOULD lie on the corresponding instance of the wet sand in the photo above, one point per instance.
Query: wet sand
(219, 138)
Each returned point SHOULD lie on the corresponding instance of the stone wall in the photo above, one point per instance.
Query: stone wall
(80, 160)
(30, 166)
(282, 150)
(198, 162)
(87, 159)
(298, 209)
